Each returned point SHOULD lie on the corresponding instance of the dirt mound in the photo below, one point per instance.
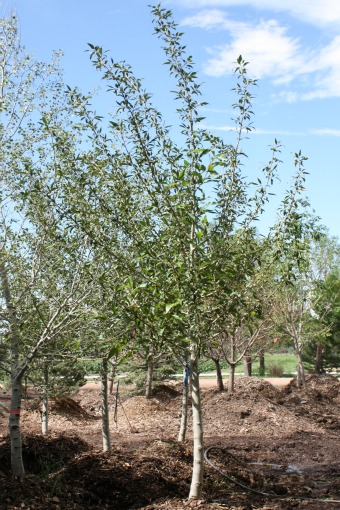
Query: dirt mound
(255, 406)
(319, 400)
(44, 454)
(324, 386)
(251, 386)
(127, 480)
(163, 398)
(68, 407)
(165, 392)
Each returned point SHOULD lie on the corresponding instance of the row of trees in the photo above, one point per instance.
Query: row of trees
(115, 239)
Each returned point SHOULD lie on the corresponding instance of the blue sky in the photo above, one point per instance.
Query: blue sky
(293, 49)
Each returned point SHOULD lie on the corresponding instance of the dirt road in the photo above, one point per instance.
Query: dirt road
(205, 382)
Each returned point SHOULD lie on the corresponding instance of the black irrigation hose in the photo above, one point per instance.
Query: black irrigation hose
(250, 489)
(246, 487)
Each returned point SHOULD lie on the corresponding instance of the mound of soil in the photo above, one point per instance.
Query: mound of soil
(68, 407)
(319, 400)
(318, 386)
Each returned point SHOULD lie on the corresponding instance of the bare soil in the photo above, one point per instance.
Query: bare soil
(281, 444)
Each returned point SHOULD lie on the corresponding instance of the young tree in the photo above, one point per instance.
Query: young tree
(172, 181)
(44, 299)
(303, 303)
(142, 202)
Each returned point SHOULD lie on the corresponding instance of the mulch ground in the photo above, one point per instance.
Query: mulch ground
(279, 449)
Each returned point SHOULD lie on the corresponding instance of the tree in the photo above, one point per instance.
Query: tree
(172, 182)
(141, 202)
(303, 303)
(325, 264)
(44, 299)
(323, 349)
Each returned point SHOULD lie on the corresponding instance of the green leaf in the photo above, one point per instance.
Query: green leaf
(169, 306)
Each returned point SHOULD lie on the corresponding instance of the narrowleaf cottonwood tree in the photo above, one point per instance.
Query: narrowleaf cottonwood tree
(173, 181)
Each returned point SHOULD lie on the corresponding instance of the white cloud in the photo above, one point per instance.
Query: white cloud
(218, 128)
(325, 132)
(274, 54)
(317, 12)
(257, 131)
(275, 132)
(268, 48)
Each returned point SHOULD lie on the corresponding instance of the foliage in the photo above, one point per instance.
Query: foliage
(275, 370)
(64, 376)
(327, 313)
(135, 372)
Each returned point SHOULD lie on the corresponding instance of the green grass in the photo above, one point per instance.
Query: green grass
(287, 361)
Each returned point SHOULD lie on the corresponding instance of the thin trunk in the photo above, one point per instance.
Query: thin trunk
(112, 376)
(232, 366)
(17, 464)
(301, 380)
(44, 413)
(231, 380)
(262, 366)
(149, 379)
(219, 378)
(247, 365)
(14, 428)
(185, 400)
(105, 409)
(318, 359)
(197, 424)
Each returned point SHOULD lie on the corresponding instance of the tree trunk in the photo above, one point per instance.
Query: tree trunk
(219, 378)
(231, 380)
(44, 413)
(198, 453)
(262, 367)
(247, 365)
(185, 400)
(17, 464)
(301, 381)
(318, 359)
(105, 409)
(14, 428)
(149, 379)
(112, 376)
(232, 366)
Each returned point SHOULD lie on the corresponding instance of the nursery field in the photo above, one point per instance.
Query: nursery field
(274, 448)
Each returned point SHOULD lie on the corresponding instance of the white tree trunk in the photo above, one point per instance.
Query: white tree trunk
(149, 379)
(231, 380)
(44, 411)
(185, 399)
(14, 428)
(301, 380)
(232, 366)
(112, 376)
(197, 424)
(17, 464)
(105, 409)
